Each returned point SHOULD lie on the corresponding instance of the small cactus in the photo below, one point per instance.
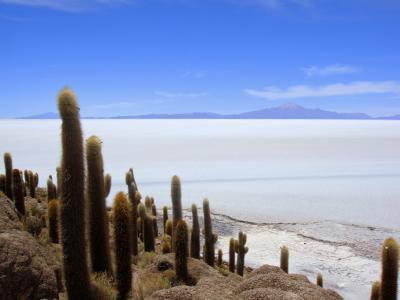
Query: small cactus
(210, 238)
(147, 229)
(122, 235)
(52, 215)
(168, 228)
(9, 175)
(98, 220)
(107, 185)
(375, 290)
(2, 183)
(219, 260)
(232, 255)
(285, 259)
(166, 244)
(72, 206)
(176, 196)
(390, 261)
(195, 236)
(241, 250)
(165, 216)
(18, 192)
(320, 280)
(181, 251)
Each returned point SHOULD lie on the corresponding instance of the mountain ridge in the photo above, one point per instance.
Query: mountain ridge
(285, 111)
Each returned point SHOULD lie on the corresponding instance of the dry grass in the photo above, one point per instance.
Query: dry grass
(146, 285)
(103, 287)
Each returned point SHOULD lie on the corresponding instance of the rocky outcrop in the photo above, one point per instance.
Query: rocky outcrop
(27, 269)
(264, 283)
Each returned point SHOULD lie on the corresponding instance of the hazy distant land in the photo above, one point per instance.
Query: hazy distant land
(285, 111)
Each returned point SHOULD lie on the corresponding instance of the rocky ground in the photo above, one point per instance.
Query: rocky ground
(30, 268)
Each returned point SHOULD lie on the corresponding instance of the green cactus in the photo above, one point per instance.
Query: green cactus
(285, 259)
(241, 250)
(148, 204)
(72, 207)
(375, 290)
(166, 244)
(232, 255)
(147, 229)
(3, 183)
(195, 236)
(165, 216)
(390, 261)
(209, 236)
(58, 171)
(122, 235)
(36, 179)
(107, 185)
(52, 215)
(320, 280)
(155, 225)
(98, 219)
(32, 186)
(51, 190)
(133, 179)
(134, 199)
(219, 260)
(18, 192)
(181, 251)
(9, 175)
(168, 228)
(176, 197)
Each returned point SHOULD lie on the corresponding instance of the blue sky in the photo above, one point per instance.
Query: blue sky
(170, 56)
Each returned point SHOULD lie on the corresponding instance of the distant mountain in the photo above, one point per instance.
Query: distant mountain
(48, 115)
(285, 111)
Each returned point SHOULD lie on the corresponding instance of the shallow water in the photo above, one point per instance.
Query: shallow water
(335, 182)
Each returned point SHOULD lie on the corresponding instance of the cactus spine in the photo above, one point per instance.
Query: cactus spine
(375, 290)
(147, 229)
(285, 259)
(181, 251)
(232, 255)
(210, 238)
(122, 235)
(52, 213)
(72, 208)
(107, 185)
(195, 237)
(165, 216)
(98, 219)
(241, 250)
(18, 192)
(320, 280)
(176, 197)
(134, 199)
(390, 261)
(9, 175)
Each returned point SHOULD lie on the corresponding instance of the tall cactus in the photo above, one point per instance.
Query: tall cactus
(9, 175)
(72, 210)
(165, 216)
(176, 197)
(219, 259)
(52, 215)
(155, 225)
(98, 218)
(209, 236)
(122, 235)
(18, 192)
(107, 185)
(51, 190)
(32, 185)
(147, 229)
(134, 199)
(241, 250)
(375, 290)
(181, 252)
(390, 261)
(195, 236)
(168, 228)
(232, 255)
(285, 259)
(2, 183)
(58, 171)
